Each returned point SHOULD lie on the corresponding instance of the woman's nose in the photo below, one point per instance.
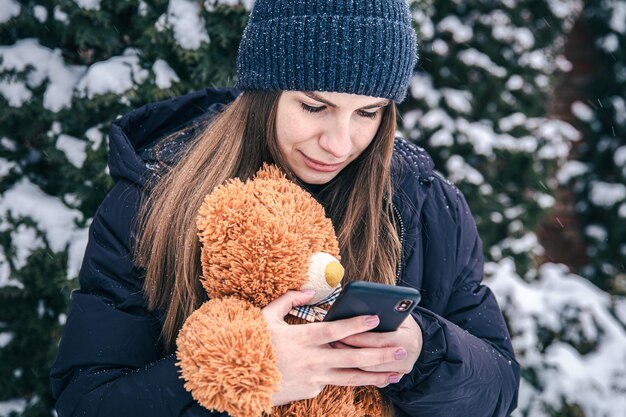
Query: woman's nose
(336, 140)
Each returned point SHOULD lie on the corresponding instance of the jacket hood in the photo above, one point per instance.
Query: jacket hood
(146, 125)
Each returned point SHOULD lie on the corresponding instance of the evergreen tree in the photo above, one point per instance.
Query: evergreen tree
(478, 106)
(597, 172)
(67, 69)
(569, 336)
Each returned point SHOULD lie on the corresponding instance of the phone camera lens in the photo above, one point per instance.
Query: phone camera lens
(403, 305)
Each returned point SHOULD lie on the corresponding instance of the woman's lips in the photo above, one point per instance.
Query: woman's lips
(320, 166)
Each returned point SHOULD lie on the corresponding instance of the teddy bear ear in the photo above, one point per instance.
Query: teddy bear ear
(271, 172)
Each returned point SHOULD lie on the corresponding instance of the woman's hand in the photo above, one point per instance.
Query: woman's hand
(407, 340)
(307, 362)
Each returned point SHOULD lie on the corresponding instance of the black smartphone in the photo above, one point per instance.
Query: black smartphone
(390, 303)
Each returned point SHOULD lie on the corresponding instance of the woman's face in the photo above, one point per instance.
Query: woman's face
(320, 133)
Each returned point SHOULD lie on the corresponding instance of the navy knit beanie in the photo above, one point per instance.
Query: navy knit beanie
(365, 47)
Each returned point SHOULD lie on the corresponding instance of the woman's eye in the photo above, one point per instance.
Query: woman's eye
(312, 109)
(368, 114)
(362, 113)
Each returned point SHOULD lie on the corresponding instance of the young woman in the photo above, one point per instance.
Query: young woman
(319, 82)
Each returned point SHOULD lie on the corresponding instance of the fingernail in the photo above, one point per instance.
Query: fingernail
(400, 354)
(308, 292)
(372, 321)
(394, 379)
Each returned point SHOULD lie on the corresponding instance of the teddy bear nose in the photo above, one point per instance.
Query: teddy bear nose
(333, 273)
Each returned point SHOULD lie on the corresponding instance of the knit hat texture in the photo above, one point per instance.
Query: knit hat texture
(365, 47)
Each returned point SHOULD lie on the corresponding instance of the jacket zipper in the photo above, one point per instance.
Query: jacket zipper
(402, 233)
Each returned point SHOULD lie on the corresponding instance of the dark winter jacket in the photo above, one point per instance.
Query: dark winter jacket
(111, 362)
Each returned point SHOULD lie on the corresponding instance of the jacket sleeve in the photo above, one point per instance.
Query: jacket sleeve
(110, 360)
(467, 365)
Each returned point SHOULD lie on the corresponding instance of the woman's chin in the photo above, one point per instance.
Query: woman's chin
(315, 178)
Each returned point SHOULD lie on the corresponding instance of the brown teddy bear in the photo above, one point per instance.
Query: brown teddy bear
(261, 238)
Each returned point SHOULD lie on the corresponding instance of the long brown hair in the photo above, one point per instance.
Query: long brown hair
(235, 144)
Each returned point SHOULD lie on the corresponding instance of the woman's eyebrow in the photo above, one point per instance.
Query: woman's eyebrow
(379, 104)
(316, 97)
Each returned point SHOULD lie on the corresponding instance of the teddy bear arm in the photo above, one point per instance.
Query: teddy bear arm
(227, 359)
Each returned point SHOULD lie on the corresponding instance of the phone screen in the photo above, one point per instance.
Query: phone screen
(392, 304)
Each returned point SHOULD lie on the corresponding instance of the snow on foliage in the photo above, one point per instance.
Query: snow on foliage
(210, 5)
(551, 138)
(460, 171)
(6, 166)
(571, 169)
(5, 339)
(474, 58)
(73, 148)
(8, 144)
(596, 232)
(5, 274)
(460, 32)
(525, 244)
(567, 335)
(620, 157)
(558, 136)
(563, 9)
(55, 220)
(606, 194)
(41, 13)
(503, 29)
(422, 88)
(164, 74)
(88, 4)
(95, 137)
(183, 18)
(40, 64)
(618, 18)
(582, 111)
(457, 99)
(115, 75)
(12, 406)
(8, 10)
(60, 15)
(26, 241)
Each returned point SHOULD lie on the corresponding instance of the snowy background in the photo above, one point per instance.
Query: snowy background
(503, 149)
